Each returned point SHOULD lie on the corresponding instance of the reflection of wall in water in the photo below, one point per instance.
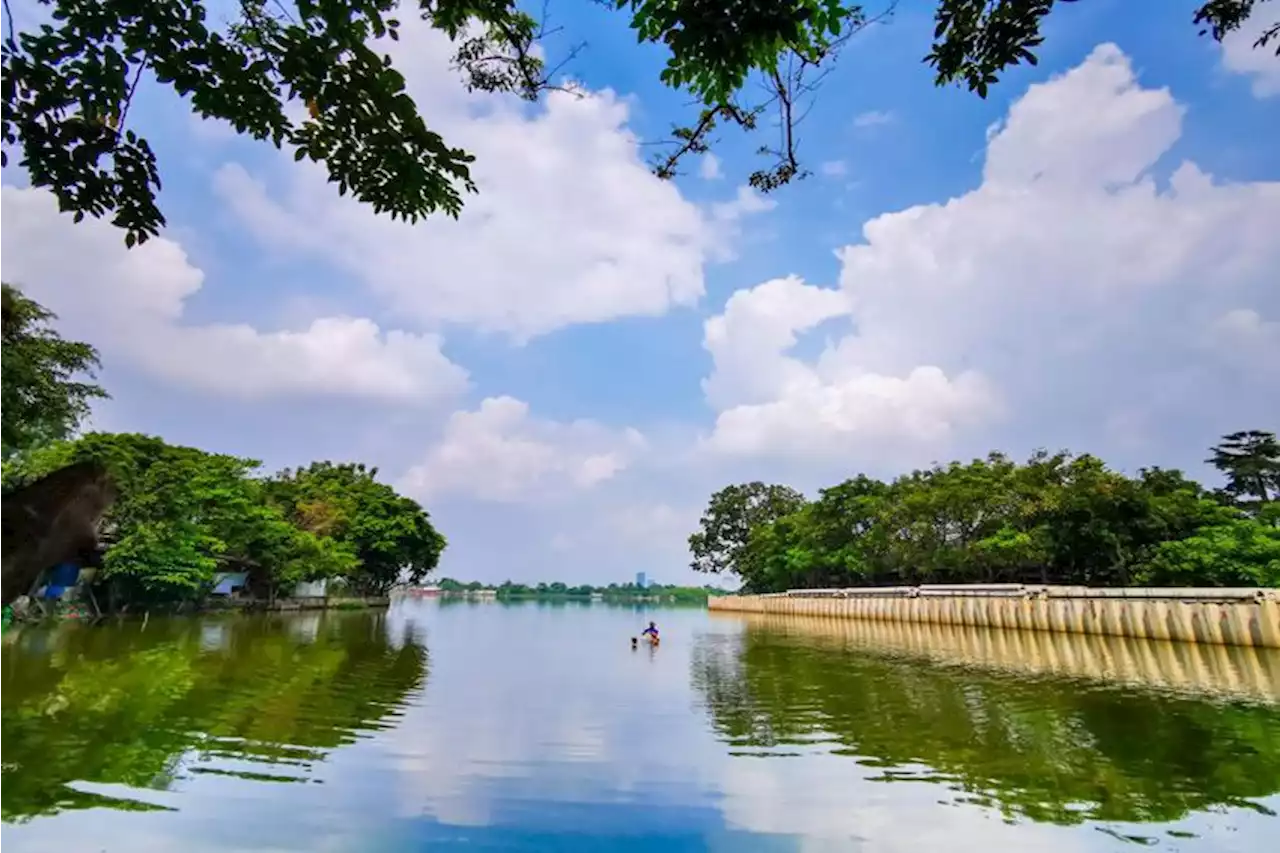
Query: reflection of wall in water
(1234, 671)
(214, 637)
(1195, 616)
(305, 626)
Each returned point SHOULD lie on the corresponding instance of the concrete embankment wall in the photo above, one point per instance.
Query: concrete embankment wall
(1238, 617)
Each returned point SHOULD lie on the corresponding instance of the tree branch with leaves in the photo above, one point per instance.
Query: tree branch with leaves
(309, 76)
(44, 395)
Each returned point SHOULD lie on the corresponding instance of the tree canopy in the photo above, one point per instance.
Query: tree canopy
(311, 77)
(43, 400)
(68, 86)
(182, 514)
(976, 40)
(1055, 519)
(1250, 460)
(389, 535)
(734, 511)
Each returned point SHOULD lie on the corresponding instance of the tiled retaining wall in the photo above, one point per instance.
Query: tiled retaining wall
(1240, 617)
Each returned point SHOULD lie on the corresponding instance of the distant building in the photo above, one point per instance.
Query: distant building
(311, 589)
(641, 580)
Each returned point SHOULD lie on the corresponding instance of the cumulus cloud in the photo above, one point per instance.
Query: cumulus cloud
(654, 532)
(1247, 341)
(749, 340)
(873, 118)
(131, 305)
(1260, 64)
(569, 225)
(499, 453)
(820, 419)
(709, 168)
(1074, 280)
(771, 402)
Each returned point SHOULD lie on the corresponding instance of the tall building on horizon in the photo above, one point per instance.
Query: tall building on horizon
(641, 580)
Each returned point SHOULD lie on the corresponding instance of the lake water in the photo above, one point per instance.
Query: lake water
(536, 727)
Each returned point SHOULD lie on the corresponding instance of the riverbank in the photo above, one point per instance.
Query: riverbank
(25, 613)
(1239, 617)
(334, 603)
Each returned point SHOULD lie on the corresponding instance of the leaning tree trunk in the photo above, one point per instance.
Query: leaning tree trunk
(51, 520)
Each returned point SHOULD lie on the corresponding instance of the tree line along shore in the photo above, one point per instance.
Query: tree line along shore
(621, 592)
(1058, 518)
(184, 518)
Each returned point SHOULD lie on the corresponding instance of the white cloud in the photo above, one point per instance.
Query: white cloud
(744, 203)
(209, 130)
(1043, 145)
(1246, 341)
(825, 419)
(835, 168)
(646, 523)
(770, 402)
(874, 118)
(500, 453)
(655, 532)
(569, 225)
(131, 305)
(1261, 64)
(748, 341)
(709, 168)
(1070, 281)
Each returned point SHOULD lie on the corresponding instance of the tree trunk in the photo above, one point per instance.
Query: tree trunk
(50, 521)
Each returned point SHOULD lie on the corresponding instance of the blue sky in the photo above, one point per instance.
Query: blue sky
(1085, 260)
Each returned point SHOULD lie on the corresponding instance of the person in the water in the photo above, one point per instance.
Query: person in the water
(651, 632)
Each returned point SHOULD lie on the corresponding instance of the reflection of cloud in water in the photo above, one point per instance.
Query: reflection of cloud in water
(562, 713)
(539, 731)
(827, 801)
(509, 747)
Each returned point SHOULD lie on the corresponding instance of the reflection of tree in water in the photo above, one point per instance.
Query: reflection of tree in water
(1045, 749)
(138, 706)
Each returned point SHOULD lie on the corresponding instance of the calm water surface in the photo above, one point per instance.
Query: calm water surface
(534, 727)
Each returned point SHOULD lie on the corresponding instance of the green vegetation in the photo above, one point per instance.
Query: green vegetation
(184, 515)
(1056, 519)
(43, 400)
(976, 40)
(1046, 749)
(141, 708)
(509, 590)
(309, 78)
(69, 86)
